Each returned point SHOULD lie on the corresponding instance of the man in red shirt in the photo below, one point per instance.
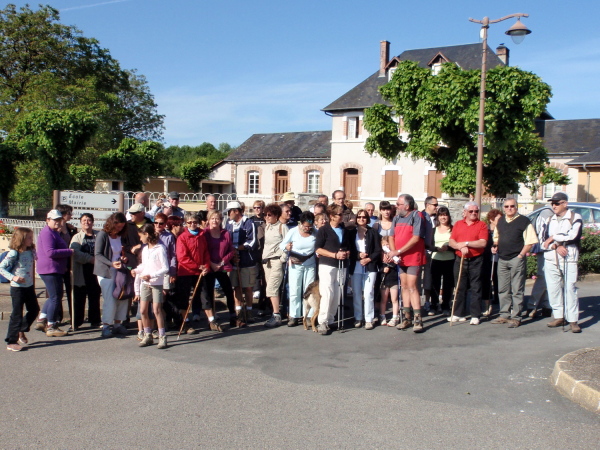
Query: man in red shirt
(468, 239)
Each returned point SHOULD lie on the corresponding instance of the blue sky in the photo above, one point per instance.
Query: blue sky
(223, 70)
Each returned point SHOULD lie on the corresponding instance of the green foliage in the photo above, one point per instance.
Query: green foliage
(54, 138)
(48, 70)
(589, 253)
(540, 174)
(176, 156)
(194, 172)
(132, 161)
(531, 265)
(8, 156)
(83, 176)
(440, 114)
(30, 188)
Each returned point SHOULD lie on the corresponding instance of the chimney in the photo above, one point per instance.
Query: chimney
(384, 56)
(502, 52)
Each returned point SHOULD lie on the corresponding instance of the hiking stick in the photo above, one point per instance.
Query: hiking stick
(564, 291)
(462, 259)
(562, 279)
(189, 305)
(341, 283)
(72, 294)
(242, 296)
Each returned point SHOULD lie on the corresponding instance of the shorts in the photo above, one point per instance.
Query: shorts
(274, 276)
(410, 270)
(389, 279)
(247, 274)
(151, 293)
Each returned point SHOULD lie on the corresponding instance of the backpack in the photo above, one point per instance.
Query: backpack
(8, 268)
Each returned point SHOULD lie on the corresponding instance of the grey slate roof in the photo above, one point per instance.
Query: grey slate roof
(569, 138)
(366, 94)
(592, 158)
(284, 147)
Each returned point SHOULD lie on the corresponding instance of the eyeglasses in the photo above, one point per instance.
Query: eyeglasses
(362, 217)
(269, 215)
(257, 207)
(434, 204)
(509, 206)
(556, 203)
(159, 223)
(335, 215)
(474, 211)
(192, 222)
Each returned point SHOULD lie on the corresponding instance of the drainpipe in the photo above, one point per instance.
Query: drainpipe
(587, 190)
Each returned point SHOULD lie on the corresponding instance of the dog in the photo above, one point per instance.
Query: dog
(312, 299)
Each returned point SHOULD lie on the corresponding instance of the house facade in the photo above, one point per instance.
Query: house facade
(267, 165)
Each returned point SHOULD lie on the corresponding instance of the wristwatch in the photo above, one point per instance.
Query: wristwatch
(467, 244)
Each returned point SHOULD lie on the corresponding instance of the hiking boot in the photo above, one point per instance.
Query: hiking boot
(392, 322)
(54, 331)
(14, 347)
(140, 335)
(574, 327)
(292, 322)
(514, 323)
(250, 316)
(162, 342)
(322, 329)
(498, 320)
(405, 325)
(188, 329)
(118, 328)
(418, 325)
(274, 321)
(155, 334)
(41, 325)
(369, 326)
(147, 340)
(556, 323)
(106, 333)
(215, 326)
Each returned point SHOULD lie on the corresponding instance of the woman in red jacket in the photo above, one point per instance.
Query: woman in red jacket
(193, 260)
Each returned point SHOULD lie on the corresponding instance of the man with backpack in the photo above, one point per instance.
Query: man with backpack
(562, 239)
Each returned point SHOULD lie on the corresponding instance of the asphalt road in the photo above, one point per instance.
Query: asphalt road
(463, 387)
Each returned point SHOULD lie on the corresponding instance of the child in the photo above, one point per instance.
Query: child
(389, 287)
(17, 267)
(151, 272)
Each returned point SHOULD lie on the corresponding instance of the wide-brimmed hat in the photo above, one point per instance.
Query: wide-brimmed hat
(288, 196)
(233, 205)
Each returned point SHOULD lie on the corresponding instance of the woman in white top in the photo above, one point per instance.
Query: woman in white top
(149, 281)
(388, 277)
(299, 243)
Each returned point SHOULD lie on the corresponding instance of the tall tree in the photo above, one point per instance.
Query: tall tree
(440, 115)
(133, 161)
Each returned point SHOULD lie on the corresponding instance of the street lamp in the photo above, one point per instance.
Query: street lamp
(517, 32)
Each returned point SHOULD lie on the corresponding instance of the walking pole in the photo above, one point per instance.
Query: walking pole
(562, 279)
(72, 295)
(342, 283)
(243, 298)
(564, 291)
(462, 259)
(189, 304)
(489, 311)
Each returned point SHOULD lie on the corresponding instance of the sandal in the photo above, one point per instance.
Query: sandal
(392, 322)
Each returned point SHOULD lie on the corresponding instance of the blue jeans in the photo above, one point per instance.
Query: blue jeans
(300, 277)
(54, 286)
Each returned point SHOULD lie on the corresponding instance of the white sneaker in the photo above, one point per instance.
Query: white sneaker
(455, 319)
(462, 319)
(474, 321)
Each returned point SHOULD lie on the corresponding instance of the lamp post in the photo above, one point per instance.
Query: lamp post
(517, 32)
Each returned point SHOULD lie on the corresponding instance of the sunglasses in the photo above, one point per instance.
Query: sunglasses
(474, 211)
(509, 206)
(192, 222)
(362, 217)
(159, 223)
(434, 204)
(257, 207)
(556, 203)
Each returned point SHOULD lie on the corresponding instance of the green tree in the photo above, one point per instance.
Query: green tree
(440, 115)
(54, 138)
(133, 161)
(179, 155)
(194, 172)
(540, 174)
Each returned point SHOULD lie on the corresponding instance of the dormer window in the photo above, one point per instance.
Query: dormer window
(435, 68)
(391, 72)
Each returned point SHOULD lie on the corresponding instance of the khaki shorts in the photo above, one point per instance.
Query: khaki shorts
(274, 275)
(247, 274)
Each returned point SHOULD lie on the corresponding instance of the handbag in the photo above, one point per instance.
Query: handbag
(124, 289)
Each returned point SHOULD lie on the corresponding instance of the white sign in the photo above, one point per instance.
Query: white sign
(99, 205)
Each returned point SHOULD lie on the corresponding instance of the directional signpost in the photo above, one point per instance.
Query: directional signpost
(99, 205)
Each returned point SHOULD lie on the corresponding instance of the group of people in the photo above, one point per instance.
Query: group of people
(416, 259)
